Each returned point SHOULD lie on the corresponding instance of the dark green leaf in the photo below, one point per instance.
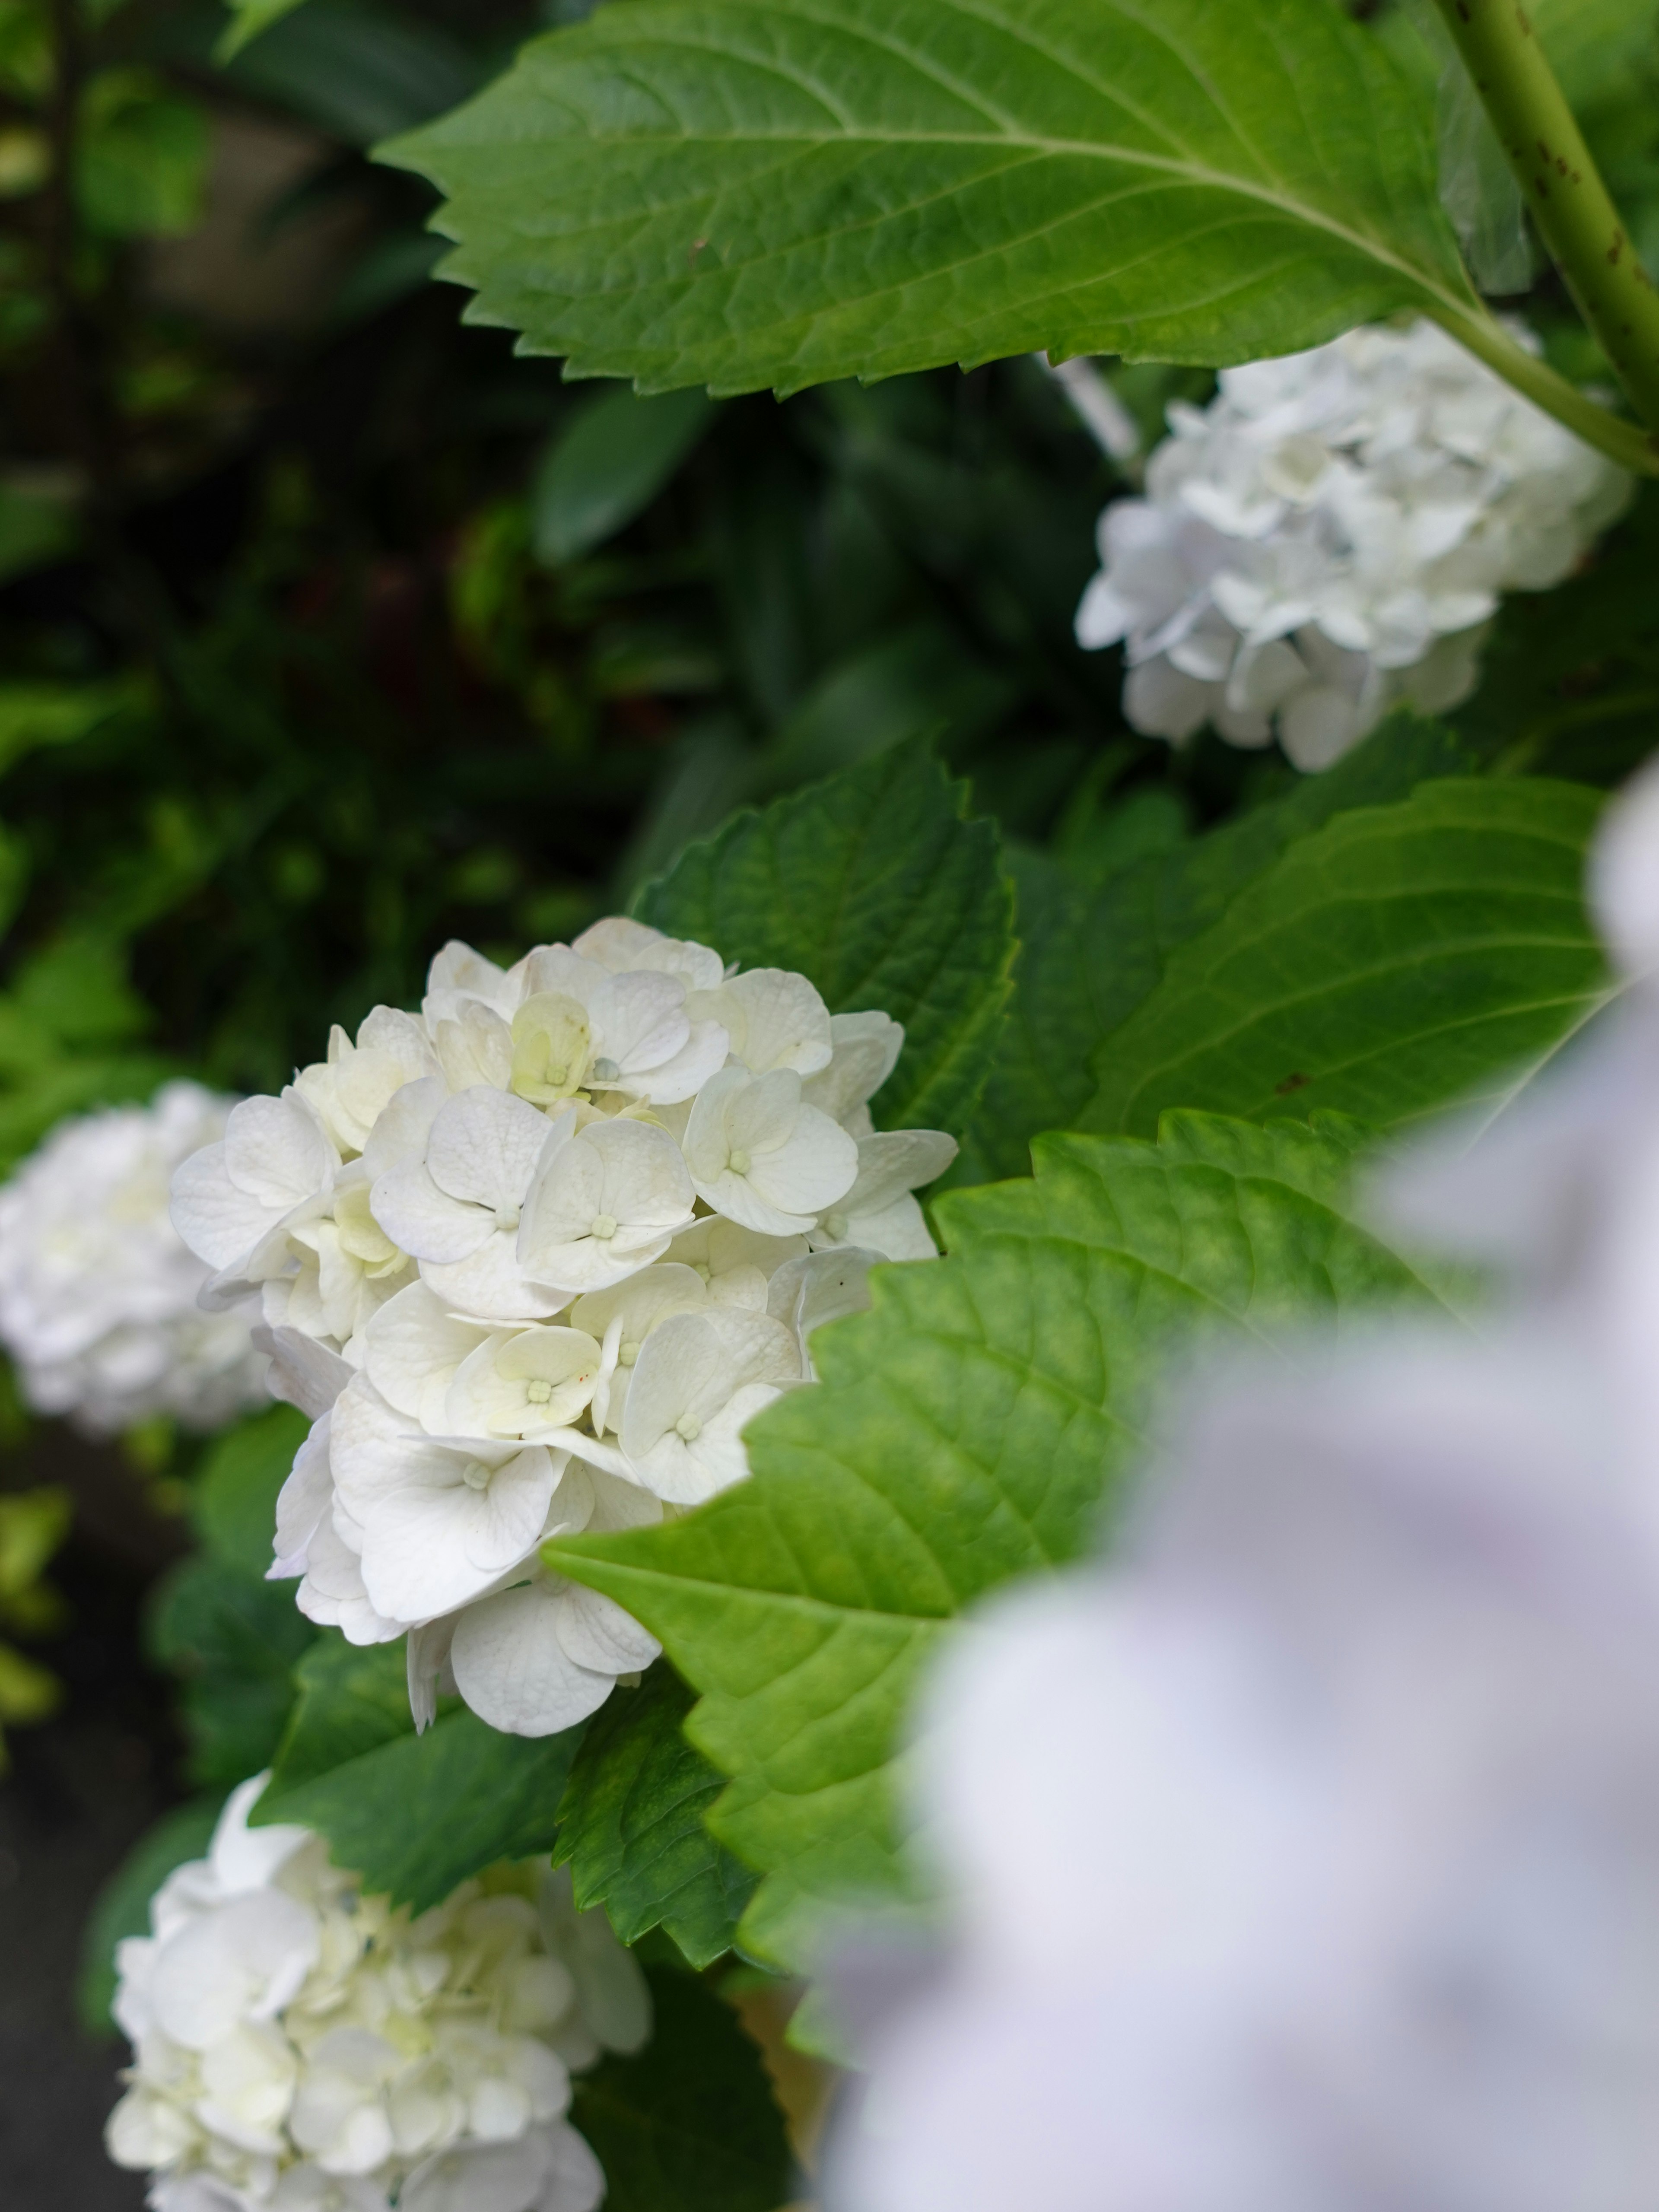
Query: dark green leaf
(780, 192)
(121, 1907)
(631, 1826)
(874, 885)
(689, 2125)
(915, 684)
(354, 71)
(966, 1431)
(413, 1815)
(1401, 958)
(234, 1501)
(234, 1638)
(608, 464)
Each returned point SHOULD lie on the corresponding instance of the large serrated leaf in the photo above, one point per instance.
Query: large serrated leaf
(631, 1826)
(413, 1815)
(1402, 958)
(966, 1431)
(874, 885)
(752, 192)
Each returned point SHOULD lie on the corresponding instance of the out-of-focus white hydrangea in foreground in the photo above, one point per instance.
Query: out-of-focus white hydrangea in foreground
(299, 2046)
(1328, 536)
(1306, 1857)
(531, 1258)
(98, 1292)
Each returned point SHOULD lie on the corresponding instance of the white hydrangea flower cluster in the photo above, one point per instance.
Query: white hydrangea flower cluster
(299, 2046)
(98, 1292)
(531, 1259)
(1330, 535)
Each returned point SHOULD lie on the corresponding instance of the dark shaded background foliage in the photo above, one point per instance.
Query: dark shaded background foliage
(318, 646)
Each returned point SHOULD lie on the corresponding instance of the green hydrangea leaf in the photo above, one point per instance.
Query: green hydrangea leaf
(874, 885)
(1093, 944)
(607, 466)
(234, 1505)
(751, 192)
(689, 2124)
(1399, 959)
(234, 1638)
(412, 1814)
(970, 1428)
(632, 1829)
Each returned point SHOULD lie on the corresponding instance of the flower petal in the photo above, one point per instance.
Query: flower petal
(421, 1218)
(596, 1632)
(483, 1149)
(514, 1671)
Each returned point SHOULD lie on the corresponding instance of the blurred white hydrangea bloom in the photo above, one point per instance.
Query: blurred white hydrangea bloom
(1328, 536)
(531, 1258)
(300, 2046)
(1308, 1858)
(1557, 1184)
(98, 1292)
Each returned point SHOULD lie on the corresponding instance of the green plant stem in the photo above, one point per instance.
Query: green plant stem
(1570, 203)
(1625, 442)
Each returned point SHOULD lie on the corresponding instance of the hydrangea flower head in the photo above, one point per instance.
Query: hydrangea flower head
(531, 1258)
(1330, 536)
(98, 1292)
(300, 2046)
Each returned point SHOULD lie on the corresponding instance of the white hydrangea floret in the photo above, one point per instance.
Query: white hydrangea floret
(1331, 535)
(99, 1293)
(300, 2046)
(531, 1259)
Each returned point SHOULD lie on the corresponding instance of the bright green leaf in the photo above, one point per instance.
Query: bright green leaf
(689, 2124)
(631, 1826)
(608, 464)
(966, 1430)
(874, 885)
(695, 191)
(1400, 959)
(413, 1815)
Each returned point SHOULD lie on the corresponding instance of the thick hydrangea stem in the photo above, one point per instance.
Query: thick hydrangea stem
(1570, 203)
(1623, 442)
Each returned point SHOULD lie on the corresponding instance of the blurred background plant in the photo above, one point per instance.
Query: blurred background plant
(33, 1525)
(329, 629)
